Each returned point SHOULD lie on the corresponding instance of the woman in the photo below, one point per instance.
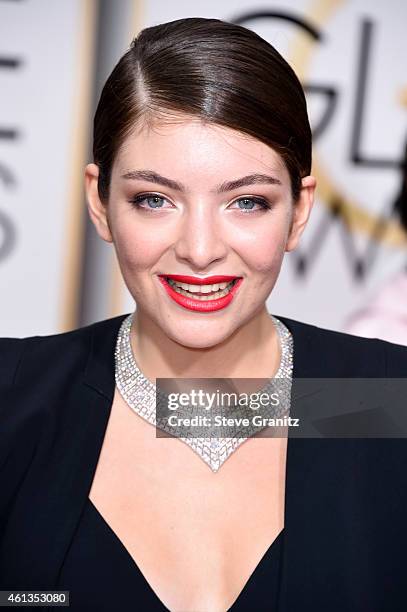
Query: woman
(202, 160)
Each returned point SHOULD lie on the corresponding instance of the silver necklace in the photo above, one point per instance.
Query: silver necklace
(141, 395)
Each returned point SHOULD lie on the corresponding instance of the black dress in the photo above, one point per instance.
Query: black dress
(345, 528)
(100, 573)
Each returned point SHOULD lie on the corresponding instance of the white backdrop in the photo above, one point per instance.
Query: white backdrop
(45, 81)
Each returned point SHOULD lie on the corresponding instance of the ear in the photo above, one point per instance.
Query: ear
(97, 210)
(302, 211)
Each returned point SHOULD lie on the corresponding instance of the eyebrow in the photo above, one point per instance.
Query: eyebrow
(152, 177)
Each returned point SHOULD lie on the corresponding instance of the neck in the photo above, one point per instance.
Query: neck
(252, 351)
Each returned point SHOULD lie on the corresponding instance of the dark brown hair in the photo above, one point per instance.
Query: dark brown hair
(219, 72)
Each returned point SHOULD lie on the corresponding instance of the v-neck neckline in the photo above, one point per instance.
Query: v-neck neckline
(277, 543)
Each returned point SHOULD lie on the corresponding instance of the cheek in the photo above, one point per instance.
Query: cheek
(264, 252)
(137, 249)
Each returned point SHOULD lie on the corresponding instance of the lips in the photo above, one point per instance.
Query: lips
(197, 280)
(197, 305)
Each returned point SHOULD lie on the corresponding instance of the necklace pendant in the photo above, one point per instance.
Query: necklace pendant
(214, 451)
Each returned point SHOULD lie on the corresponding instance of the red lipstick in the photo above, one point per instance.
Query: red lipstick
(198, 280)
(199, 305)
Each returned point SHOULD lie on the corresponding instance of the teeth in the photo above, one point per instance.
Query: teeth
(203, 288)
(199, 291)
(199, 288)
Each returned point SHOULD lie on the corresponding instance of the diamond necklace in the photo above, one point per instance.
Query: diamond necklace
(140, 393)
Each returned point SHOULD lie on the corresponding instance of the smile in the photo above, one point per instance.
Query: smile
(199, 294)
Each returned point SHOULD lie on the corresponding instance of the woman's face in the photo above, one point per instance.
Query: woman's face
(198, 200)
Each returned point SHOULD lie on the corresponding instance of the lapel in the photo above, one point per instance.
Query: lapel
(302, 483)
(51, 497)
(325, 558)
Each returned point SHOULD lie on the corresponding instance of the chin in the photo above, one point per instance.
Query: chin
(196, 337)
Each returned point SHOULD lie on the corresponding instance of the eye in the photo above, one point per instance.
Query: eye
(248, 204)
(148, 201)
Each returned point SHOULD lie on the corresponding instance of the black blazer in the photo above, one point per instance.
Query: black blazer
(345, 545)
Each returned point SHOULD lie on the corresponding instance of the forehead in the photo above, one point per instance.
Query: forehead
(190, 147)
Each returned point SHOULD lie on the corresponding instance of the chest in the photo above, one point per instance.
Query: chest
(197, 536)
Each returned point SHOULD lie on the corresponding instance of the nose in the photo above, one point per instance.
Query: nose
(200, 239)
